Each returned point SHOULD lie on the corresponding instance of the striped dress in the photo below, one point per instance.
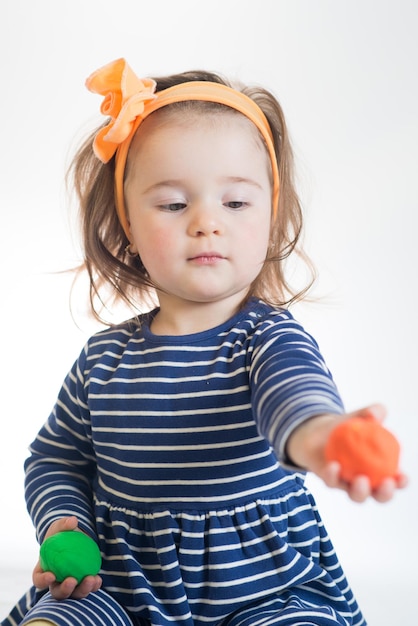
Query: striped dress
(171, 452)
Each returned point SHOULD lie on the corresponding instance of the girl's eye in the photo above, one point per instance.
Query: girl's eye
(236, 204)
(173, 206)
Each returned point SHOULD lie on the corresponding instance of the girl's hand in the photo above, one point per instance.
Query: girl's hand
(68, 587)
(359, 489)
(306, 448)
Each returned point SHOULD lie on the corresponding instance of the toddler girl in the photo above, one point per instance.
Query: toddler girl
(181, 437)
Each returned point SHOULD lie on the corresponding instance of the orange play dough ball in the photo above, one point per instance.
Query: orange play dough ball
(364, 447)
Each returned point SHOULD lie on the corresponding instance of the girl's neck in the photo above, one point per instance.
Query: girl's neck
(176, 318)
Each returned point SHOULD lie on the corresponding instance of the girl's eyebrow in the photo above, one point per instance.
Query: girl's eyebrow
(241, 179)
(165, 183)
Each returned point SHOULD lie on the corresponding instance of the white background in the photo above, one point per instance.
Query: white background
(346, 75)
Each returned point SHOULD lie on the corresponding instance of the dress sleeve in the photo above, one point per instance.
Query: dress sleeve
(61, 468)
(290, 382)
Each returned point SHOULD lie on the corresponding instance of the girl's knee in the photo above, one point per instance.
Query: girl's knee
(96, 608)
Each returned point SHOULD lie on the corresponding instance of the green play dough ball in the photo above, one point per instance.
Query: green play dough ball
(70, 553)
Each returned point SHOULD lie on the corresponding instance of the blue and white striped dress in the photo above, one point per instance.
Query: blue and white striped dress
(171, 453)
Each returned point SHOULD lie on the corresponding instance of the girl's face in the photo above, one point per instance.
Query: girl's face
(198, 194)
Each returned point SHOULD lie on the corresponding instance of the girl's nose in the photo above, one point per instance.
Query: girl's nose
(205, 219)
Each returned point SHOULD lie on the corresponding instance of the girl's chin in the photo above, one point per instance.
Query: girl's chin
(206, 296)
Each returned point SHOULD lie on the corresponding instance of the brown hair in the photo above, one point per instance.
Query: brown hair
(104, 242)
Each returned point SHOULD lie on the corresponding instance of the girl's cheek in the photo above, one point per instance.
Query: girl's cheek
(163, 238)
(157, 246)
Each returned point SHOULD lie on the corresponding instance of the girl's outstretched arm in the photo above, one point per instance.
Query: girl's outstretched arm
(306, 449)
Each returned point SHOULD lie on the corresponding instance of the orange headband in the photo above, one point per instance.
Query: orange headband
(128, 100)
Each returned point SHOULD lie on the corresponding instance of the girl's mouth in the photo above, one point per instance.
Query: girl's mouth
(207, 258)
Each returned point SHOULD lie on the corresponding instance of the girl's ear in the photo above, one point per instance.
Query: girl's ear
(131, 250)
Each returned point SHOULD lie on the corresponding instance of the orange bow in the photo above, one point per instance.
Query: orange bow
(124, 98)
